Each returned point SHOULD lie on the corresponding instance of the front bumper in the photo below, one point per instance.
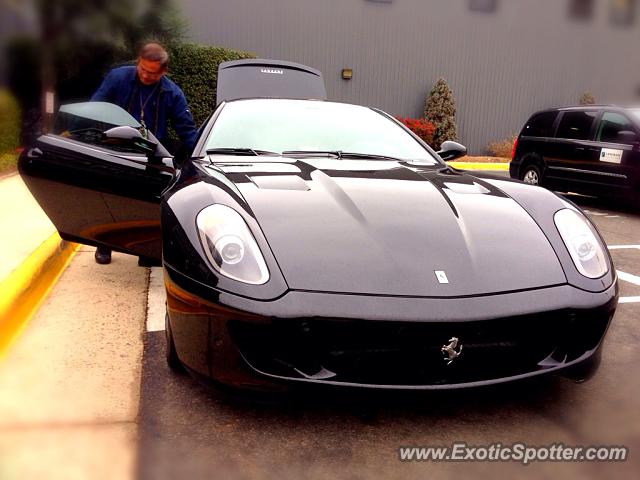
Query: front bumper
(384, 342)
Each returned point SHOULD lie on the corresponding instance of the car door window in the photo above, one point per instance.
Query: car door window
(540, 125)
(86, 122)
(610, 127)
(576, 125)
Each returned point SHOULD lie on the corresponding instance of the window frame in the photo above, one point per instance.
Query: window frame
(614, 112)
(592, 129)
(552, 130)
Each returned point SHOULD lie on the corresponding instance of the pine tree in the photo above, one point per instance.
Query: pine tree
(440, 109)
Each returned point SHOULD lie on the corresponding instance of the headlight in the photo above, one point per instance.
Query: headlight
(229, 245)
(581, 240)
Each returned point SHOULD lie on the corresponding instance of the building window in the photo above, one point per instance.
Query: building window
(622, 12)
(581, 9)
(483, 5)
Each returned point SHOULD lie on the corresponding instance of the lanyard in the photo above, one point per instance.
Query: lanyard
(143, 105)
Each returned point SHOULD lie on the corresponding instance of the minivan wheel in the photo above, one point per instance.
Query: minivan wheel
(531, 175)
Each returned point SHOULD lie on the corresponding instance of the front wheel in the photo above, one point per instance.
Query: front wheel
(531, 174)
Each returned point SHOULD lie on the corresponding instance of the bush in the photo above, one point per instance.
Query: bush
(8, 162)
(502, 148)
(194, 68)
(10, 119)
(420, 127)
(440, 110)
(587, 98)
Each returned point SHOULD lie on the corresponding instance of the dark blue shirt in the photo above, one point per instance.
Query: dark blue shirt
(163, 102)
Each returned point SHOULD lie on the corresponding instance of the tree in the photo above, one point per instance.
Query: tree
(440, 110)
(587, 98)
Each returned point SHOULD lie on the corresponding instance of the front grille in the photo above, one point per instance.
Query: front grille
(409, 353)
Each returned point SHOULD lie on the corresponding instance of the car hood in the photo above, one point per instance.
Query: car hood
(390, 228)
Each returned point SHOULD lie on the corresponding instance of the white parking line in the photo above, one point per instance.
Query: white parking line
(627, 277)
(156, 299)
(622, 247)
(629, 300)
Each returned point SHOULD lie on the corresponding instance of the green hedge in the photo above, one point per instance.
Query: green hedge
(194, 68)
(10, 119)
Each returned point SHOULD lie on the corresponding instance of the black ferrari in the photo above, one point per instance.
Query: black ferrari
(313, 242)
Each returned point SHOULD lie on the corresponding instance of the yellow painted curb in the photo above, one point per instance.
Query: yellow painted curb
(480, 166)
(22, 292)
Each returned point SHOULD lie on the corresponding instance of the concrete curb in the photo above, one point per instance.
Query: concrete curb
(22, 292)
(480, 166)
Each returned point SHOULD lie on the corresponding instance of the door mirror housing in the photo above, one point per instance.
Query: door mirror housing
(130, 137)
(450, 150)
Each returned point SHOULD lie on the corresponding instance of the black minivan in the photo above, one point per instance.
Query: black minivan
(592, 150)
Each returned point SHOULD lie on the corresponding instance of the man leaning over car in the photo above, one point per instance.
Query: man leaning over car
(150, 97)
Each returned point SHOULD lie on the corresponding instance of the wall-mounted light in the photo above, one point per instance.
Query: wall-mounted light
(347, 74)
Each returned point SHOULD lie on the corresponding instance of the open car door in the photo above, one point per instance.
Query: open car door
(99, 177)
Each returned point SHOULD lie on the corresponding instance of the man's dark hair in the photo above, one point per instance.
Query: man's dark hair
(154, 52)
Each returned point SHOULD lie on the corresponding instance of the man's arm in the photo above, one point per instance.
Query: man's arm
(105, 92)
(183, 123)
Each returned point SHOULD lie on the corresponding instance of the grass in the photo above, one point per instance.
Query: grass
(8, 162)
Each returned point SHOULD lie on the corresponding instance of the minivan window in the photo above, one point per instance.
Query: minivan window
(540, 125)
(610, 127)
(576, 125)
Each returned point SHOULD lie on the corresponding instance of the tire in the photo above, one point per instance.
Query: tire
(531, 175)
(173, 361)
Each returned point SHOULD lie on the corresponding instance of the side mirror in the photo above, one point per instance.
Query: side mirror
(627, 136)
(131, 138)
(451, 150)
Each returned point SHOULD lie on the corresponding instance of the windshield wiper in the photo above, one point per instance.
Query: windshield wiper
(340, 154)
(239, 151)
(328, 153)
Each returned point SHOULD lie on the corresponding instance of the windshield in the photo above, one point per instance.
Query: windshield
(302, 125)
(636, 113)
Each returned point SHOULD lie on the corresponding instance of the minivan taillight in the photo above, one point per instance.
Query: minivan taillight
(515, 145)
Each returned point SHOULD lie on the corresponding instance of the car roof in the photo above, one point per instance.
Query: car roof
(587, 107)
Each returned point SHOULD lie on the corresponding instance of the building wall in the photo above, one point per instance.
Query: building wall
(502, 66)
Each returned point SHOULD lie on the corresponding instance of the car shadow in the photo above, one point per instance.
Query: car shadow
(614, 205)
